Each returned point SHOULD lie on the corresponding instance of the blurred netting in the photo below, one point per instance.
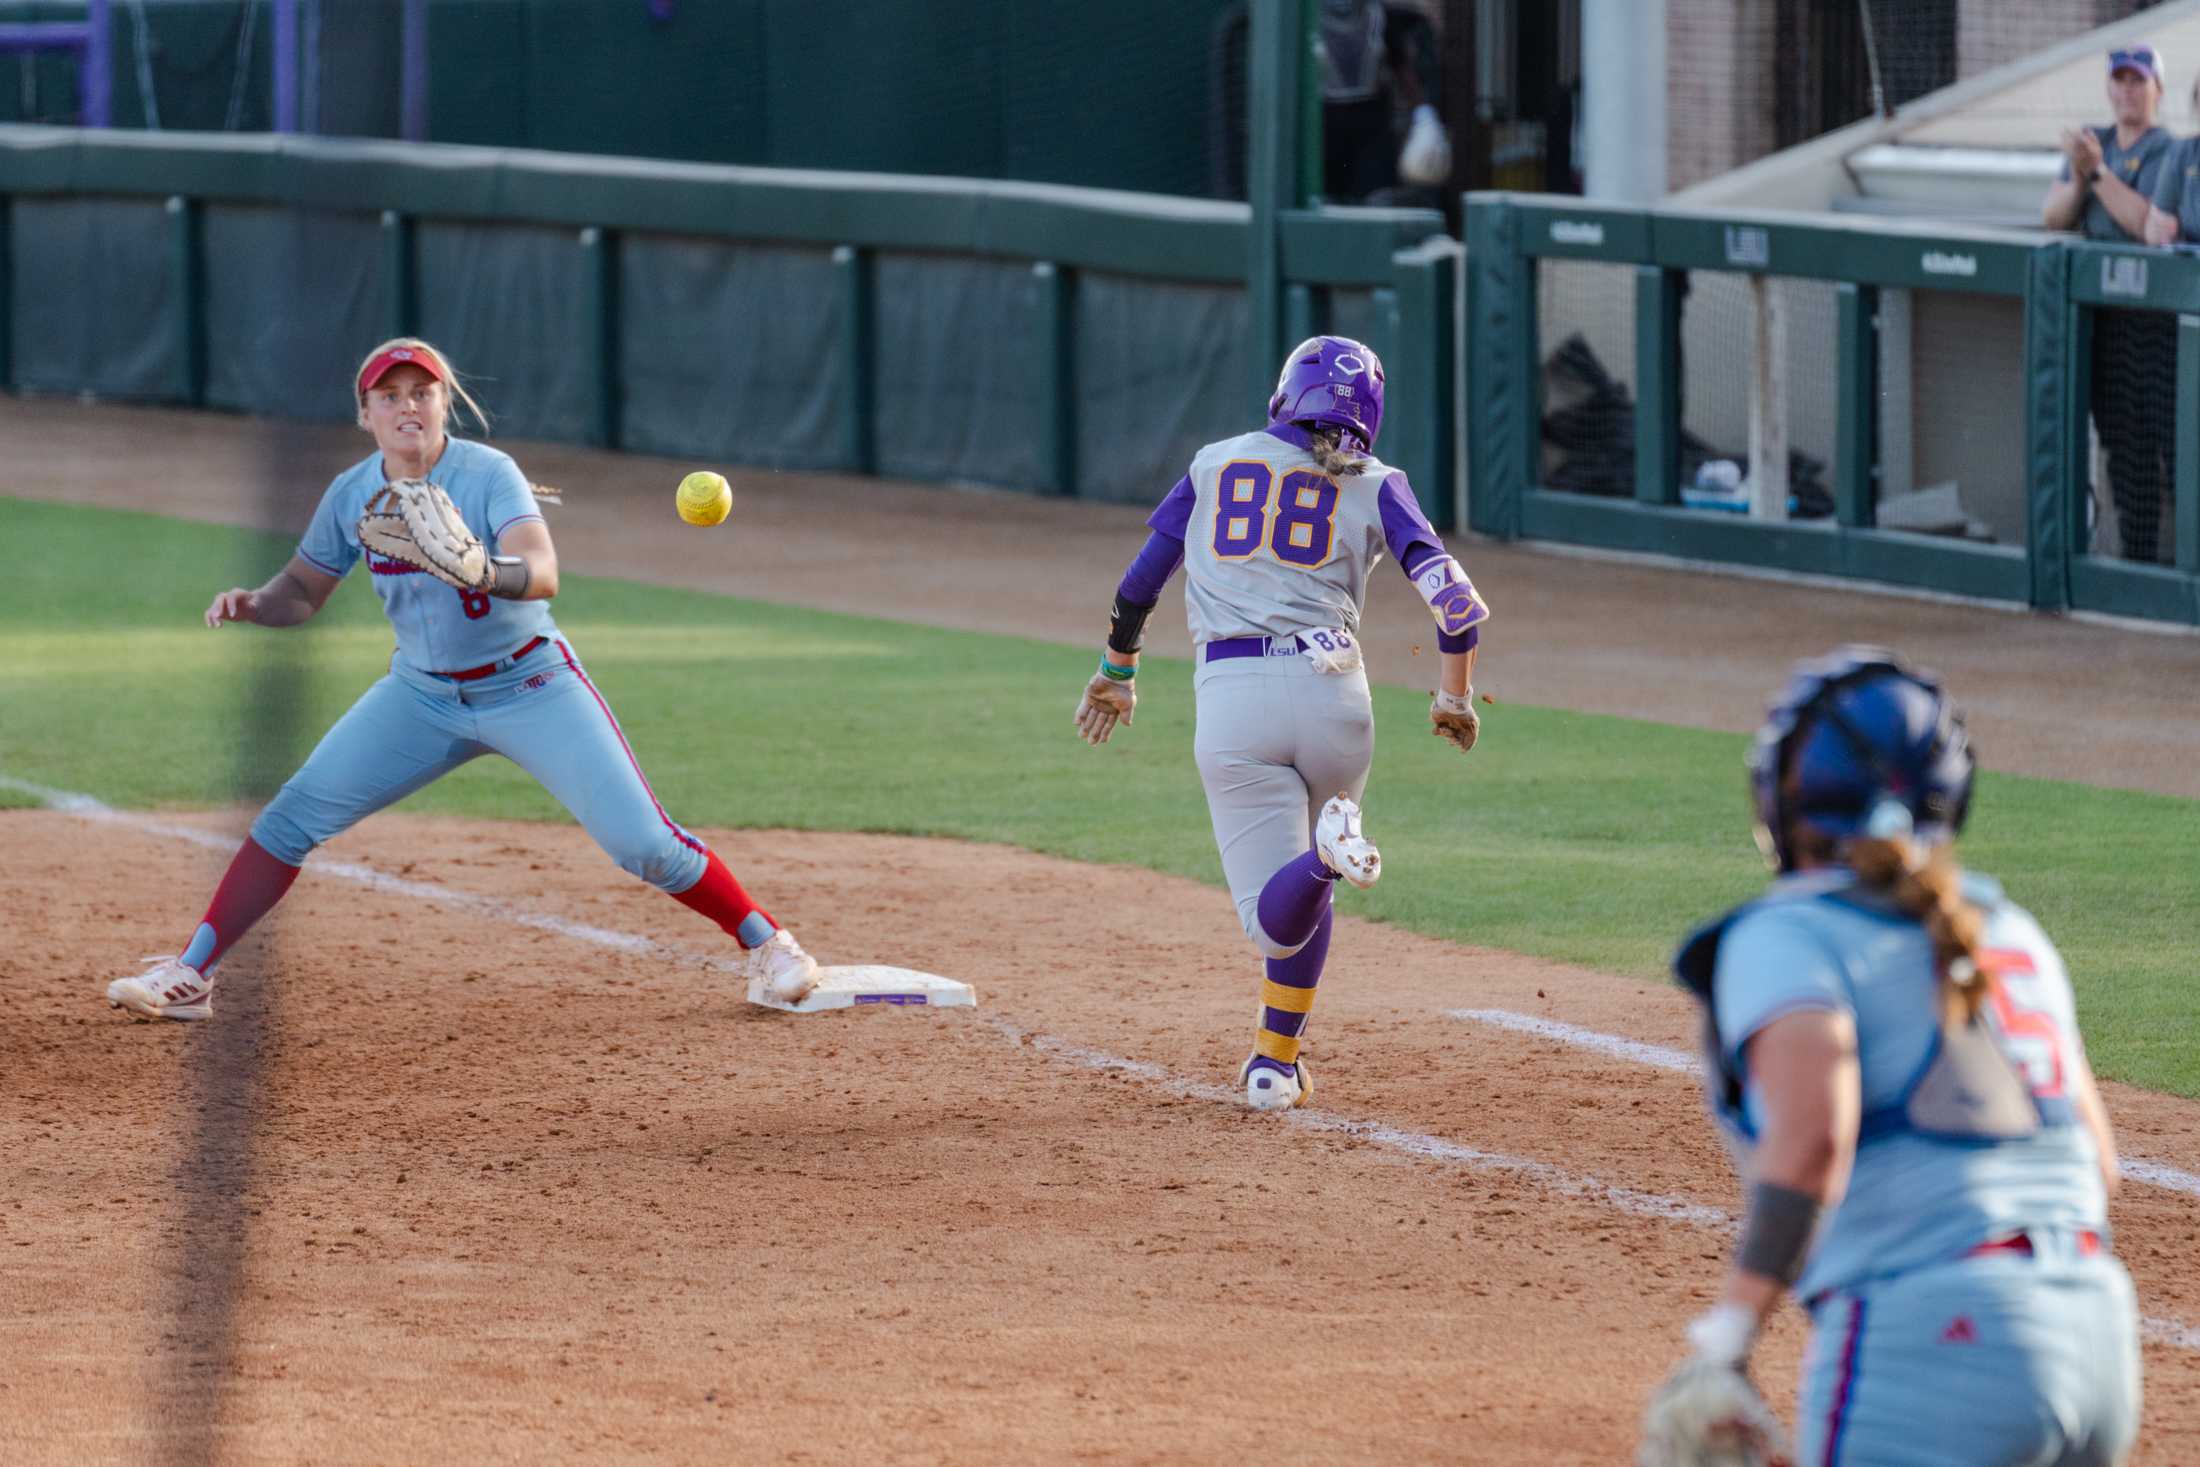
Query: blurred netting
(2132, 373)
(208, 66)
(1585, 313)
(1722, 316)
(1950, 414)
(1146, 95)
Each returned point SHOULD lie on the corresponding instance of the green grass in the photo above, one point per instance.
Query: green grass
(1590, 839)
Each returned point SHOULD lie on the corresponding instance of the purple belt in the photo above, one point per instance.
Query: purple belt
(1225, 648)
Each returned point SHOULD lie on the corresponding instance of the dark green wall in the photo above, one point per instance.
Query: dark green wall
(1109, 96)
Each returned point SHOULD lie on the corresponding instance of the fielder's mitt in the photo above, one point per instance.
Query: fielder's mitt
(1709, 1415)
(1455, 719)
(414, 521)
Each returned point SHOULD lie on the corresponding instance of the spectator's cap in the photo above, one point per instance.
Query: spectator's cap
(2143, 59)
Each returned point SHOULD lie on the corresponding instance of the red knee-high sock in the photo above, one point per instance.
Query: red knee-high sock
(719, 897)
(254, 882)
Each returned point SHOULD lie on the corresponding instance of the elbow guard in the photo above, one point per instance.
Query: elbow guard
(1451, 597)
(1127, 625)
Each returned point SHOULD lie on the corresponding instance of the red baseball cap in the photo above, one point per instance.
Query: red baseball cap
(381, 364)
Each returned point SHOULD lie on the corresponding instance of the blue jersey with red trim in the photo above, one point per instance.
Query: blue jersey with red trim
(439, 627)
(1914, 1198)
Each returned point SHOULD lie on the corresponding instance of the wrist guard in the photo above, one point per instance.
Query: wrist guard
(1127, 625)
(1777, 1235)
(509, 577)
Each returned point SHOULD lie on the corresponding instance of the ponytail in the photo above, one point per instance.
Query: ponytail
(1330, 454)
(1928, 885)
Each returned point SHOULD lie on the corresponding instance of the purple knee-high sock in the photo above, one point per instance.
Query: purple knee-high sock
(1296, 898)
(1302, 970)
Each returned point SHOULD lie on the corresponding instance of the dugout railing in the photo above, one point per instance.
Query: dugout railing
(1953, 357)
(2111, 277)
(1058, 339)
(1512, 240)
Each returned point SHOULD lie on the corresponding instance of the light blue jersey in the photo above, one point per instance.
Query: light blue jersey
(1965, 1309)
(439, 627)
(1814, 942)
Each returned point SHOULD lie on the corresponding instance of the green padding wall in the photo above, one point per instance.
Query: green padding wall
(505, 301)
(728, 352)
(960, 381)
(1113, 96)
(94, 297)
(294, 299)
(1161, 371)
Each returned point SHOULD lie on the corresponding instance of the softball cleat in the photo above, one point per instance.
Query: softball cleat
(1343, 848)
(788, 973)
(1271, 1089)
(167, 989)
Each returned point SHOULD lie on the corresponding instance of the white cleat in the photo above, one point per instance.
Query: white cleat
(785, 970)
(1343, 849)
(165, 990)
(1267, 1089)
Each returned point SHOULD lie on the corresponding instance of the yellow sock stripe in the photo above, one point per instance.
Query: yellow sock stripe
(1286, 998)
(1282, 1048)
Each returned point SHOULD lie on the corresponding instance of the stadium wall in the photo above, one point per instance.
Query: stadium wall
(968, 88)
(1031, 336)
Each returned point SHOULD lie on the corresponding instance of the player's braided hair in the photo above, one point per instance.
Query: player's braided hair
(1330, 454)
(1928, 885)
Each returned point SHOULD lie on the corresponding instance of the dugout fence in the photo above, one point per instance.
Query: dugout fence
(1844, 398)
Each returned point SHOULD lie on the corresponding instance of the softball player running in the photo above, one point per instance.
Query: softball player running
(1277, 530)
(480, 668)
(1894, 1052)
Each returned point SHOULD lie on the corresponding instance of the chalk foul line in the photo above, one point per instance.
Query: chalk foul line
(1391, 1138)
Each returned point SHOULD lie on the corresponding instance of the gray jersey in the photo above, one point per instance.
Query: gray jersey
(1274, 546)
(2140, 166)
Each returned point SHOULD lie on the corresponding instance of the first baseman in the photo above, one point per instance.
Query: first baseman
(1277, 530)
(463, 562)
(1894, 1051)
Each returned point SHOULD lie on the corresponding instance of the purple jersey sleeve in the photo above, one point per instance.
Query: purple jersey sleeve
(1163, 551)
(1175, 512)
(1413, 544)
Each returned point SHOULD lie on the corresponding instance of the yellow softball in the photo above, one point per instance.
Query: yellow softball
(705, 498)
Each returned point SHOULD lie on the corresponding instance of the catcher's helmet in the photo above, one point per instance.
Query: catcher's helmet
(1331, 382)
(1859, 742)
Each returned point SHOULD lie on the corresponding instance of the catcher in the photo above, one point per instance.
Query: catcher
(461, 557)
(1894, 1050)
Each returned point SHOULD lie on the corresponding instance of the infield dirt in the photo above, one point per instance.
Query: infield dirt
(439, 1186)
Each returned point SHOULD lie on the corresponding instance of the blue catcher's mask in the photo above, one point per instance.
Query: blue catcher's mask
(1859, 744)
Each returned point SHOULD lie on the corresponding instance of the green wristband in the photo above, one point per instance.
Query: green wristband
(1116, 674)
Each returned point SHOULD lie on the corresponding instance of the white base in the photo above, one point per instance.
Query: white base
(871, 983)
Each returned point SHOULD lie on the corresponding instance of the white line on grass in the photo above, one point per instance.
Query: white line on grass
(1391, 1138)
(2152, 1173)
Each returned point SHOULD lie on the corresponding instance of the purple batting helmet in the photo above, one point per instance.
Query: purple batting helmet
(1331, 382)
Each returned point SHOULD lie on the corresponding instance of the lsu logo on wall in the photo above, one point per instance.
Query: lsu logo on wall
(2124, 275)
